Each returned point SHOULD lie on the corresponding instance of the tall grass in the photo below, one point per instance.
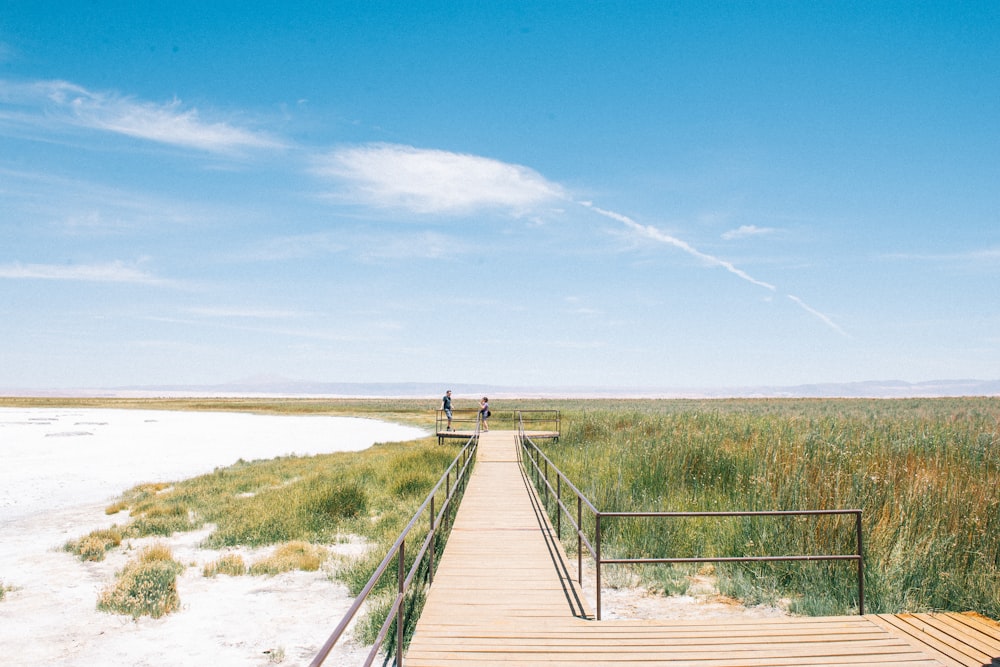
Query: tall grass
(925, 473)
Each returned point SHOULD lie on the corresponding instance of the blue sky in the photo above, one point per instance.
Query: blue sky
(642, 194)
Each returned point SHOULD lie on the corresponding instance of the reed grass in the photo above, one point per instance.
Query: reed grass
(925, 473)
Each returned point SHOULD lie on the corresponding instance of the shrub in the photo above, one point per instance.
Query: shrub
(146, 587)
(94, 546)
(231, 564)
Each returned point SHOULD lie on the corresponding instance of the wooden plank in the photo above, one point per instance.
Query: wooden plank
(940, 650)
(958, 632)
(985, 628)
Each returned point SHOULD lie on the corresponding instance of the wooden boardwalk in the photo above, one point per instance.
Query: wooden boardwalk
(504, 595)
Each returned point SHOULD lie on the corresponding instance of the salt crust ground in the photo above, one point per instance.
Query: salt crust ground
(50, 616)
(61, 468)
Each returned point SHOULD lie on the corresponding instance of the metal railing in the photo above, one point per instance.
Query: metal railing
(463, 420)
(540, 466)
(541, 423)
(440, 524)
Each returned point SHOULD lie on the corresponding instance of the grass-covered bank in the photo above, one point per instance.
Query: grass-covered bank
(926, 474)
(294, 503)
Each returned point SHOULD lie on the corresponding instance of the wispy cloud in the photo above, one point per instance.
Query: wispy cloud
(744, 231)
(286, 248)
(655, 234)
(980, 255)
(423, 245)
(435, 181)
(111, 272)
(820, 316)
(246, 313)
(58, 105)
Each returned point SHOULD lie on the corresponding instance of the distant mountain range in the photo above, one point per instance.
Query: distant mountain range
(276, 386)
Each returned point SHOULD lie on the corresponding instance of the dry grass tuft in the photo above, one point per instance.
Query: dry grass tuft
(295, 555)
(94, 546)
(146, 587)
(231, 564)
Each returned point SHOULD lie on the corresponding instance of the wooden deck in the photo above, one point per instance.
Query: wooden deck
(504, 595)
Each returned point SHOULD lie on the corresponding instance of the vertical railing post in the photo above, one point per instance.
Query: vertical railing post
(861, 565)
(579, 538)
(559, 506)
(447, 499)
(597, 561)
(402, 606)
(545, 463)
(430, 562)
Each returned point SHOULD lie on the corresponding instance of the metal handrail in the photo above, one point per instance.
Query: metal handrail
(461, 467)
(459, 416)
(541, 464)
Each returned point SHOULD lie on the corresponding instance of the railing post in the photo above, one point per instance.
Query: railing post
(861, 565)
(559, 506)
(579, 538)
(402, 606)
(597, 561)
(430, 563)
(545, 463)
(447, 499)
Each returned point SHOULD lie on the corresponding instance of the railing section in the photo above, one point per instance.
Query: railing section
(538, 423)
(462, 419)
(452, 483)
(542, 470)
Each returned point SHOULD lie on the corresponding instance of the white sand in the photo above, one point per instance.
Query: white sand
(58, 470)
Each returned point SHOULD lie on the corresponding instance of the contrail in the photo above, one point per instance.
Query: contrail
(820, 316)
(657, 235)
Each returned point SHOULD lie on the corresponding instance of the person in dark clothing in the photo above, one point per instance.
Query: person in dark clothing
(446, 406)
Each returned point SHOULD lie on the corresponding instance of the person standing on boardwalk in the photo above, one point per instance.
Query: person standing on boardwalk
(446, 406)
(484, 413)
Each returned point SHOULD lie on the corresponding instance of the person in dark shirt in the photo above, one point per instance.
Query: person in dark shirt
(446, 406)
(484, 412)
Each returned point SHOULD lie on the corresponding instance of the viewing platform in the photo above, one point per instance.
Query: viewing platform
(465, 423)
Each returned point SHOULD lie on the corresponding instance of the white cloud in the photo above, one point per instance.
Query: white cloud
(111, 272)
(60, 104)
(435, 181)
(743, 231)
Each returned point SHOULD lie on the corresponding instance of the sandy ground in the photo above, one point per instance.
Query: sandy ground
(59, 470)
